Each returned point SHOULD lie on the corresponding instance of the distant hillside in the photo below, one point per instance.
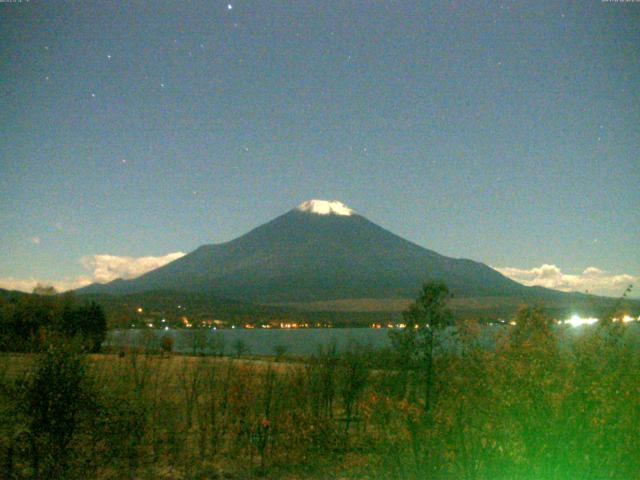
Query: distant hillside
(9, 294)
(122, 309)
(141, 307)
(561, 306)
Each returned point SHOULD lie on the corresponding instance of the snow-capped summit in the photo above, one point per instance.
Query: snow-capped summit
(325, 207)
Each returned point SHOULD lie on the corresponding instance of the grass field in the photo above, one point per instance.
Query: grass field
(533, 408)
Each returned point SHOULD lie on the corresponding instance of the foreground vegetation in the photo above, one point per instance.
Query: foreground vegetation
(535, 407)
(539, 403)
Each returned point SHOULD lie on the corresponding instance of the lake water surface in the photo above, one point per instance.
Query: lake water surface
(304, 341)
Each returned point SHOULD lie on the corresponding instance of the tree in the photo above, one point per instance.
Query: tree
(47, 290)
(531, 383)
(166, 343)
(415, 343)
(240, 348)
(27, 322)
(92, 325)
(279, 351)
(86, 321)
(532, 325)
(215, 343)
(55, 400)
(353, 374)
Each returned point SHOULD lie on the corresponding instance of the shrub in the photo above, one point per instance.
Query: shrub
(166, 344)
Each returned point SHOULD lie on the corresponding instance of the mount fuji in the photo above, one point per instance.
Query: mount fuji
(320, 251)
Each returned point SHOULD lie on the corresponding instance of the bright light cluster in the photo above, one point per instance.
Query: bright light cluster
(625, 319)
(576, 321)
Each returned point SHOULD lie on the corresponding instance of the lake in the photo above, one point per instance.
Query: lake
(304, 341)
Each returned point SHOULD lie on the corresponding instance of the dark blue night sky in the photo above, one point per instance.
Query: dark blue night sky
(505, 132)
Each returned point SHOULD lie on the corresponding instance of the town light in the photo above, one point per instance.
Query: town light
(576, 320)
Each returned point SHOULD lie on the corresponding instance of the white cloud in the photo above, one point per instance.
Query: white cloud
(109, 267)
(35, 240)
(592, 279)
(101, 268)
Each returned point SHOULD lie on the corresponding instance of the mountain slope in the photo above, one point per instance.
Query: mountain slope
(316, 252)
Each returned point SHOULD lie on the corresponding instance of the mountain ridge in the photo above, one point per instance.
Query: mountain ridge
(320, 252)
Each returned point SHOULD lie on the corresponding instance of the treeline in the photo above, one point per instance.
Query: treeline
(28, 322)
(122, 311)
